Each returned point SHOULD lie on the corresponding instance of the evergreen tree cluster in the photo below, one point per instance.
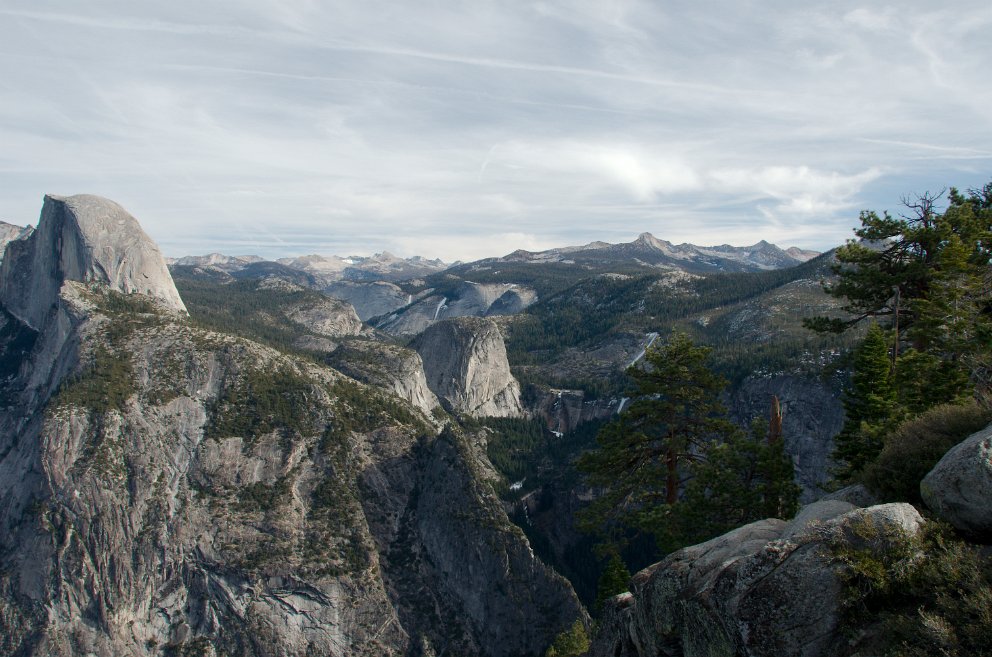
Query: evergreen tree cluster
(674, 467)
(925, 283)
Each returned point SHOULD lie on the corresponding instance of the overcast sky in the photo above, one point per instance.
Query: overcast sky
(465, 129)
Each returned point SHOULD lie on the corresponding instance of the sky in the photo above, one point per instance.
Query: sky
(461, 130)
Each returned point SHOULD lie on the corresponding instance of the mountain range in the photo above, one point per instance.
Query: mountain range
(333, 456)
(646, 250)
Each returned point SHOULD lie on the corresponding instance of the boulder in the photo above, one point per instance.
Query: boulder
(767, 589)
(959, 488)
(814, 514)
(856, 494)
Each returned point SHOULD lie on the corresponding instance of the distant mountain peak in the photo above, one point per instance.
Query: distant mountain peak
(649, 240)
(801, 254)
(649, 251)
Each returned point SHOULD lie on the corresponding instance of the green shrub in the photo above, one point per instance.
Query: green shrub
(570, 643)
(912, 450)
(924, 595)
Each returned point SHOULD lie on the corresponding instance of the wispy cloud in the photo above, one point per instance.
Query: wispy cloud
(464, 129)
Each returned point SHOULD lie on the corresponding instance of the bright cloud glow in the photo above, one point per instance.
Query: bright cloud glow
(461, 130)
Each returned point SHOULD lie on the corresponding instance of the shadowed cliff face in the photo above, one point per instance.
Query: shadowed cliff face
(10, 233)
(165, 489)
(812, 414)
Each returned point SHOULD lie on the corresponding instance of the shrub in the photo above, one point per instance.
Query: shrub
(570, 643)
(929, 594)
(911, 451)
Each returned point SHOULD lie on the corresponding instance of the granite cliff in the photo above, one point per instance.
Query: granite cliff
(87, 239)
(466, 367)
(166, 489)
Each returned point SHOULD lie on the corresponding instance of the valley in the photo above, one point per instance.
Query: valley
(323, 455)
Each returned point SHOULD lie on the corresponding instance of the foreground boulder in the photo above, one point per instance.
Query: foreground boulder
(768, 589)
(959, 488)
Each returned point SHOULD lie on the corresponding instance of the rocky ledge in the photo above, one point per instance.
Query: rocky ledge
(767, 589)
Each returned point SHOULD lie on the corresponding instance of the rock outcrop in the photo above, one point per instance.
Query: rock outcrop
(564, 410)
(370, 299)
(10, 232)
(959, 487)
(87, 239)
(413, 319)
(466, 367)
(515, 300)
(389, 367)
(466, 299)
(767, 589)
(327, 317)
(169, 489)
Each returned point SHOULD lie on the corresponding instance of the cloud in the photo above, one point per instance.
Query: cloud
(872, 19)
(358, 127)
(798, 189)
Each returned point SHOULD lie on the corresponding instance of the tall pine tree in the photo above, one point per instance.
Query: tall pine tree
(869, 405)
(645, 455)
(927, 277)
(675, 467)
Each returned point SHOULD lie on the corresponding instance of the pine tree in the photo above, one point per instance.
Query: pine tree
(778, 490)
(869, 405)
(570, 643)
(614, 580)
(744, 478)
(927, 276)
(645, 456)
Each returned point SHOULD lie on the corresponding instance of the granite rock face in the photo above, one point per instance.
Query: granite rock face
(10, 232)
(166, 489)
(564, 410)
(767, 589)
(370, 298)
(327, 317)
(466, 367)
(389, 367)
(86, 239)
(812, 415)
(959, 488)
(467, 299)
